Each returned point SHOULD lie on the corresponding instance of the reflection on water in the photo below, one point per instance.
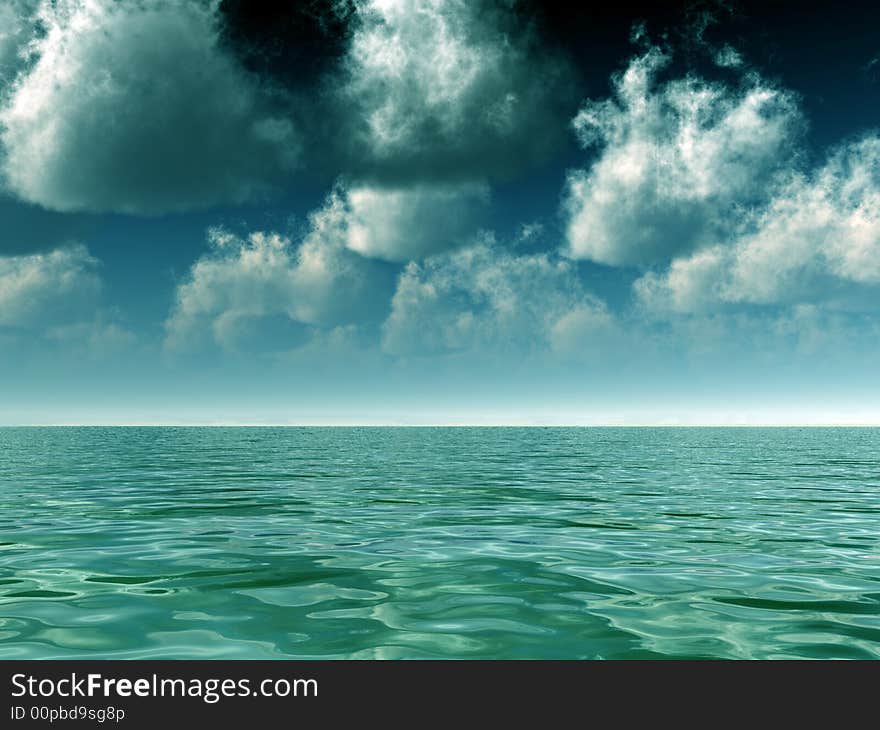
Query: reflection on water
(439, 542)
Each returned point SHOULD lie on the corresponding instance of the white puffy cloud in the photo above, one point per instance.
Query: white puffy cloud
(674, 161)
(134, 107)
(690, 284)
(485, 298)
(817, 233)
(317, 282)
(54, 298)
(830, 221)
(408, 223)
(812, 329)
(446, 89)
(55, 287)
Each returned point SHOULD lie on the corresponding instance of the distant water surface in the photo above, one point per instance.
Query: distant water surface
(439, 543)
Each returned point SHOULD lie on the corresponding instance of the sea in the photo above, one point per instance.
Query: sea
(450, 543)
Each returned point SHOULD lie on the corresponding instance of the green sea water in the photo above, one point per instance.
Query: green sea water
(500, 543)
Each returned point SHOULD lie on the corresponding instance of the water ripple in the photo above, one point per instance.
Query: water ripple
(425, 543)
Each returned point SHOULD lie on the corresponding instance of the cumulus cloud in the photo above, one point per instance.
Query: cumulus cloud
(243, 280)
(817, 233)
(134, 107)
(674, 161)
(400, 224)
(486, 298)
(446, 89)
(832, 219)
(140, 106)
(55, 299)
(55, 287)
(690, 284)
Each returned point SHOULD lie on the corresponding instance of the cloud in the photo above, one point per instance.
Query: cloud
(54, 299)
(242, 281)
(485, 298)
(408, 223)
(56, 287)
(674, 161)
(812, 330)
(446, 89)
(728, 57)
(134, 107)
(831, 221)
(97, 338)
(690, 283)
(817, 236)
(141, 107)
(15, 30)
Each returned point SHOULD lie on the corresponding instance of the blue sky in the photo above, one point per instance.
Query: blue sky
(438, 211)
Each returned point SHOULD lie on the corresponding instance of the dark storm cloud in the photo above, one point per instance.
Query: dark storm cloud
(135, 107)
(151, 106)
(411, 90)
(448, 91)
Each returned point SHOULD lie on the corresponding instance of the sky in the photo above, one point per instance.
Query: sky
(439, 212)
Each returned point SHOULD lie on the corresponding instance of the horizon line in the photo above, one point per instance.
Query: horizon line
(442, 425)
